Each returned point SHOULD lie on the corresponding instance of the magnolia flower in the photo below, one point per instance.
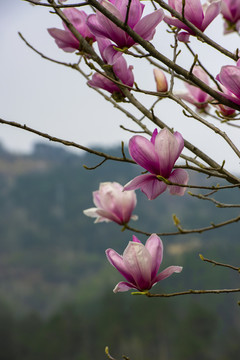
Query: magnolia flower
(139, 264)
(229, 77)
(112, 204)
(199, 15)
(230, 11)
(64, 39)
(120, 69)
(160, 79)
(158, 156)
(101, 26)
(194, 95)
(223, 109)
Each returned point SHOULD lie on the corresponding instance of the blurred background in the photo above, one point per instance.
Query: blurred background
(55, 282)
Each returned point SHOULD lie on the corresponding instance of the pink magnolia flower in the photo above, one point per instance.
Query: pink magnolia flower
(101, 26)
(229, 77)
(223, 109)
(230, 11)
(112, 204)
(161, 80)
(199, 15)
(120, 68)
(64, 39)
(158, 156)
(195, 95)
(139, 264)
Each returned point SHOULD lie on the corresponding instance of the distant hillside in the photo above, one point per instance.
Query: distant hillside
(49, 249)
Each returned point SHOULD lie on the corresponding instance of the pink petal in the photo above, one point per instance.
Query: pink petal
(229, 76)
(123, 286)
(143, 152)
(199, 95)
(138, 262)
(183, 36)
(117, 261)
(155, 247)
(154, 134)
(64, 39)
(167, 272)
(148, 184)
(178, 176)
(193, 11)
(99, 81)
(146, 26)
(123, 72)
(175, 22)
(168, 149)
(135, 13)
(211, 12)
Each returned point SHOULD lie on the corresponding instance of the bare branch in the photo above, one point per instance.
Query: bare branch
(65, 142)
(182, 231)
(190, 292)
(219, 264)
(217, 203)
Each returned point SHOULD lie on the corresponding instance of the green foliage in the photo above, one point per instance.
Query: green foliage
(56, 285)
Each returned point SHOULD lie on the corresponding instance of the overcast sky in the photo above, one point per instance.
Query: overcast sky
(56, 100)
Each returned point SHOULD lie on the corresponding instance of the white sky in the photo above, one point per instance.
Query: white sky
(55, 99)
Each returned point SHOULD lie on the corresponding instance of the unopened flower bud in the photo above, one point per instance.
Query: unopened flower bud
(161, 81)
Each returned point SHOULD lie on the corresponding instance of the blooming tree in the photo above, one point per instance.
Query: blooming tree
(106, 37)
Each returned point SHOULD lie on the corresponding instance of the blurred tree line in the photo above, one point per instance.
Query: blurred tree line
(56, 285)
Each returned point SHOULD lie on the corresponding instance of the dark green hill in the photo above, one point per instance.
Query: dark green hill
(56, 284)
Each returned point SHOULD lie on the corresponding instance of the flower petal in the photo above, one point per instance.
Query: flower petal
(167, 272)
(64, 39)
(148, 184)
(146, 26)
(168, 147)
(211, 12)
(138, 262)
(143, 152)
(117, 261)
(229, 76)
(155, 247)
(178, 176)
(123, 286)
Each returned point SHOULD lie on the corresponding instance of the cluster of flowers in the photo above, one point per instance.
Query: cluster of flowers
(139, 264)
(111, 40)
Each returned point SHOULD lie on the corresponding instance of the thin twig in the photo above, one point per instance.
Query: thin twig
(65, 142)
(217, 203)
(193, 292)
(197, 32)
(182, 231)
(219, 264)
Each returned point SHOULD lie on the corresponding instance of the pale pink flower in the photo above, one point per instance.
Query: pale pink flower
(230, 11)
(120, 68)
(112, 204)
(193, 94)
(229, 77)
(64, 39)
(158, 156)
(199, 15)
(139, 264)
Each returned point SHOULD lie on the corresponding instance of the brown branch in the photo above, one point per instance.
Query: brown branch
(197, 32)
(191, 292)
(217, 203)
(57, 6)
(151, 49)
(182, 231)
(219, 264)
(65, 142)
